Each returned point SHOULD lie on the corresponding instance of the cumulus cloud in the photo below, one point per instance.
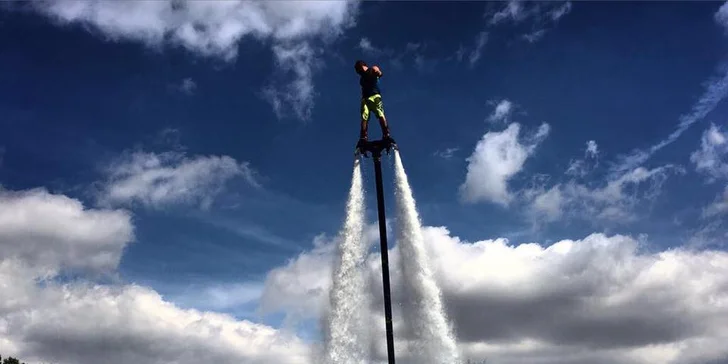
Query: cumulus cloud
(217, 29)
(497, 157)
(87, 323)
(159, 180)
(600, 299)
(53, 231)
(297, 288)
(710, 159)
(210, 28)
(80, 322)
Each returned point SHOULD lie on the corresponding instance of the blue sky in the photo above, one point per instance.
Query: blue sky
(249, 131)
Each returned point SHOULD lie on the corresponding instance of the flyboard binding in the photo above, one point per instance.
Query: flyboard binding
(375, 147)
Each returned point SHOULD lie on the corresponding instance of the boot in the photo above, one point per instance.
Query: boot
(388, 137)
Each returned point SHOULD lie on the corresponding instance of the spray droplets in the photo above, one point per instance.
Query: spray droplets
(346, 339)
(346, 325)
(423, 309)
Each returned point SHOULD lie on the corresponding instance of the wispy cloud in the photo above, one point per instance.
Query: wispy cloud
(188, 86)
(539, 14)
(711, 158)
(614, 201)
(502, 111)
(239, 298)
(414, 52)
(721, 16)
(719, 206)
(297, 62)
(582, 166)
(447, 153)
(480, 41)
(369, 49)
(159, 180)
(534, 36)
(248, 230)
(716, 90)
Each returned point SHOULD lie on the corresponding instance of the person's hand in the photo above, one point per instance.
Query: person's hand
(376, 70)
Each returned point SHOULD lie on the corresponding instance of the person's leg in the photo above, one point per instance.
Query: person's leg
(379, 109)
(364, 119)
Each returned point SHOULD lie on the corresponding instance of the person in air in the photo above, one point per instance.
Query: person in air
(371, 100)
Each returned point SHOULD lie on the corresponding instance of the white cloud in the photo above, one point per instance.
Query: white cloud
(716, 90)
(44, 320)
(719, 206)
(512, 10)
(548, 204)
(79, 323)
(301, 61)
(540, 14)
(368, 48)
(210, 28)
(480, 41)
(158, 180)
(721, 16)
(502, 111)
(188, 86)
(582, 167)
(216, 296)
(601, 299)
(447, 153)
(615, 201)
(557, 13)
(56, 232)
(298, 287)
(497, 157)
(216, 28)
(591, 148)
(301, 286)
(710, 159)
(534, 36)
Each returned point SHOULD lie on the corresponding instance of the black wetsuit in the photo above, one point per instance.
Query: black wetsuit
(369, 83)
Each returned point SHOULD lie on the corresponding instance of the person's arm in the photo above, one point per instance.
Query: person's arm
(377, 71)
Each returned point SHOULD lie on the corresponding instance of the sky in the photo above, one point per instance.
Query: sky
(174, 174)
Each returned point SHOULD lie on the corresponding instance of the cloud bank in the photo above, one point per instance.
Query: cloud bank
(43, 319)
(600, 299)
